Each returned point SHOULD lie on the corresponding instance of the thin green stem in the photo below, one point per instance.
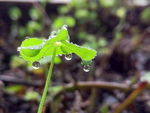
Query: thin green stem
(48, 81)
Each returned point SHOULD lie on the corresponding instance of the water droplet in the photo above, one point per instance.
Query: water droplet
(68, 56)
(64, 27)
(53, 33)
(27, 37)
(86, 68)
(36, 65)
(19, 48)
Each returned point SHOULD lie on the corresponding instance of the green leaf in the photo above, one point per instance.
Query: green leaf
(34, 49)
(83, 52)
(63, 9)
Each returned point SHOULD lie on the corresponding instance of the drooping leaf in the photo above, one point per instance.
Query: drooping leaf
(83, 52)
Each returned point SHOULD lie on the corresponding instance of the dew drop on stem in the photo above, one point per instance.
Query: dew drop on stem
(36, 65)
(68, 56)
(86, 68)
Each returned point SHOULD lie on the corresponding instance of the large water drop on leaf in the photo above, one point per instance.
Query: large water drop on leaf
(68, 56)
(86, 68)
(36, 65)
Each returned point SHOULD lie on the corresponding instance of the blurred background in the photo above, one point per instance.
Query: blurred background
(119, 30)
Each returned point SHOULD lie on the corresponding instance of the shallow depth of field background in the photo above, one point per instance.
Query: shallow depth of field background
(119, 30)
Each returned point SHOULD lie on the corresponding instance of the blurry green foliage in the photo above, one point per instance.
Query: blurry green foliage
(107, 3)
(63, 9)
(22, 31)
(91, 40)
(13, 88)
(32, 27)
(145, 15)
(104, 108)
(78, 3)
(32, 95)
(121, 12)
(60, 21)
(15, 13)
(16, 62)
(102, 42)
(82, 13)
(54, 90)
(34, 14)
(118, 36)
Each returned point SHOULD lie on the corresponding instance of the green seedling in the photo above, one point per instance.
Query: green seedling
(58, 43)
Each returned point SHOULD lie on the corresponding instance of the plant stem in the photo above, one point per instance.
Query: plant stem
(48, 80)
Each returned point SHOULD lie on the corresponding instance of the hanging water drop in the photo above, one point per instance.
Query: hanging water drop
(36, 65)
(68, 56)
(86, 68)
